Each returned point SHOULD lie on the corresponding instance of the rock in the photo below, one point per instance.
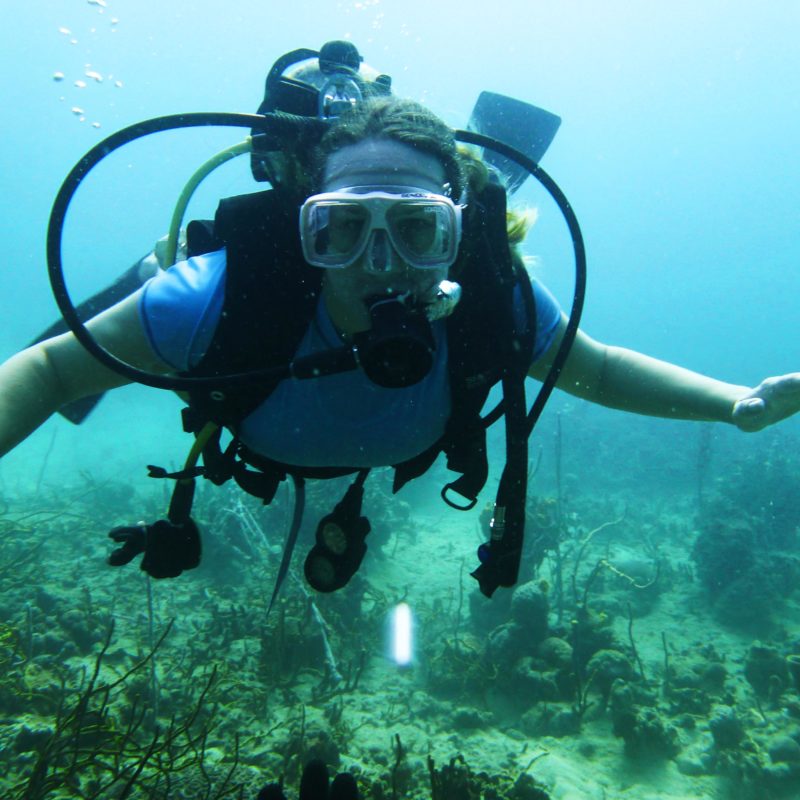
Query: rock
(563, 723)
(714, 675)
(691, 764)
(556, 652)
(784, 750)
(526, 787)
(726, 728)
(47, 602)
(506, 644)
(763, 666)
(529, 607)
(607, 666)
(532, 685)
(471, 718)
(31, 739)
(646, 735)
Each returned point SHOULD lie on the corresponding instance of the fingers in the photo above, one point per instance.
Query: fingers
(123, 555)
(773, 400)
(782, 397)
(128, 533)
(132, 539)
(750, 407)
(782, 386)
(748, 414)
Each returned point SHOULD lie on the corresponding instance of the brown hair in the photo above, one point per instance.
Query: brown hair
(401, 120)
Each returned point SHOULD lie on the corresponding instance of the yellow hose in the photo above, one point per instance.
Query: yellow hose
(171, 252)
(186, 195)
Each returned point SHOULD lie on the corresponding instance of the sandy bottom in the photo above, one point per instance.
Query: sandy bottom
(382, 721)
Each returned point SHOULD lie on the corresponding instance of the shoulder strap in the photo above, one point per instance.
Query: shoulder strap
(484, 343)
(270, 296)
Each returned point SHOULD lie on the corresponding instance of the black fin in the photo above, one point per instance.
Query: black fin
(521, 125)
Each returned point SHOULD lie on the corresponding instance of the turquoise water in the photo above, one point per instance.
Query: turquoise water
(677, 148)
(678, 151)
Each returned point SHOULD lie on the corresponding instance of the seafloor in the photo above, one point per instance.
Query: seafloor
(651, 650)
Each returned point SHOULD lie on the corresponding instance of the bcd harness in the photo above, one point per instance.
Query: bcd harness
(271, 296)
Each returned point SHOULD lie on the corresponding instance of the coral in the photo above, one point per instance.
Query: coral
(590, 631)
(456, 781)
(507, 644)
(529, 608)
(766, 670)
(646, 735)
(726, 727)
(459, 668)
(693, 686)
(745, 551)
(526, 629)
(531, 685)
(556, 653)
(98, 746)
(607, 666)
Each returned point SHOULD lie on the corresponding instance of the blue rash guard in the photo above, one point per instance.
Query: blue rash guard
(335, 420)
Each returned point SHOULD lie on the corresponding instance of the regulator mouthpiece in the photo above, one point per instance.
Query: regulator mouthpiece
(397, 351)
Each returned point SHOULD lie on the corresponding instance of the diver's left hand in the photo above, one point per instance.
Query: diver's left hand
(771, 401)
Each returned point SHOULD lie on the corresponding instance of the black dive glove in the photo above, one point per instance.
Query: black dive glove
(168, 548)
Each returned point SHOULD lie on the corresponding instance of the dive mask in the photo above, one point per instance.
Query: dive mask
(337, 228)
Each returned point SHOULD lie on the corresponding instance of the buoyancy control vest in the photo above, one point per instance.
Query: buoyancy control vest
(271, 295)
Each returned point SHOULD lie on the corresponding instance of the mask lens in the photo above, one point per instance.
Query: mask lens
(420, 229)
(348, 222)
(424, 230)
(333, 232)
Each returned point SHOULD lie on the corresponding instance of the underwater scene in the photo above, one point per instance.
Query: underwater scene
(650, 648)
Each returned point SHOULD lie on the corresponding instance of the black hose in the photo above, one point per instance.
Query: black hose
(579, 293)
(277, 126)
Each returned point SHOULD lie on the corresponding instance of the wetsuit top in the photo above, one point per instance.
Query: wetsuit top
(328, 421)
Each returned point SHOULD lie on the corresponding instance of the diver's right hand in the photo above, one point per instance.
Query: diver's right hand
(133, 539)
(169, 548)
(773, 400)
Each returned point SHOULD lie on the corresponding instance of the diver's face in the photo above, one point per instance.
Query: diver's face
(380, 270)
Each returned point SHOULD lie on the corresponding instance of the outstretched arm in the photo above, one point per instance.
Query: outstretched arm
(37, 381)
(631, 381)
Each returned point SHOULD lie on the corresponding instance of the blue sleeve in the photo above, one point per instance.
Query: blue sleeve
(180, 308)
(548, 315)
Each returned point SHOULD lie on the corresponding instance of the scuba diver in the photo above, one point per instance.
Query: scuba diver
(377, 293)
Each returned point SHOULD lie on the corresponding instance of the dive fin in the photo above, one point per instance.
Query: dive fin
(521, 125)
(127, 283)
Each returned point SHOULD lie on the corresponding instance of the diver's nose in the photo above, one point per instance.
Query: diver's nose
(381, 255)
